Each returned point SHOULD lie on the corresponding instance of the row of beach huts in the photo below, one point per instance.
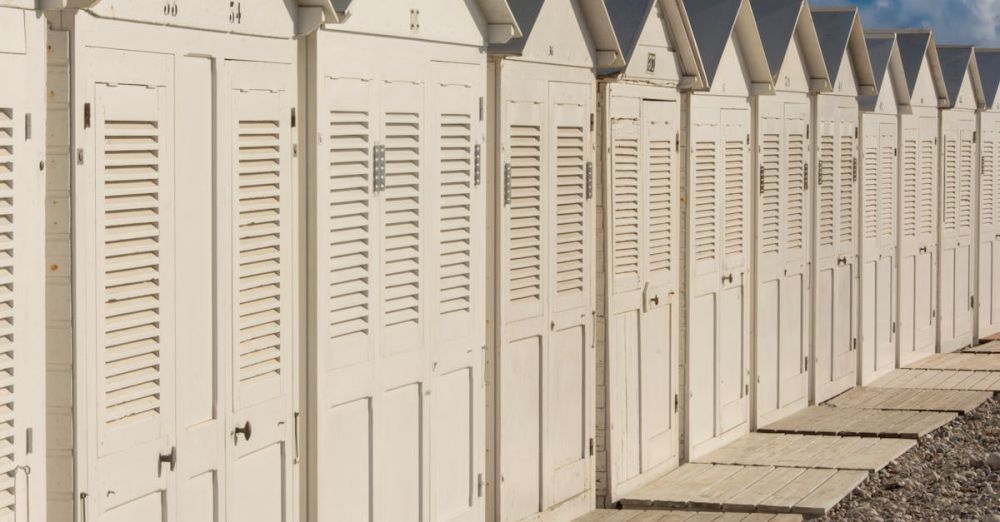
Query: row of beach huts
(462, 260)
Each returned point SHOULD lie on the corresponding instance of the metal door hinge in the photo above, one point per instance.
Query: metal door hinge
(296, 459)
(79, 156)
(506, 184)
(591, 122)
(677, 402)
(855, 133)
(854, 344)
(677, 142)
(761, 182)
(29, 441)
(972, 301)
(746, 389)
(894, 327)
(378, 168)
(590, 180)
(933, 314)
(854, 167)
(806, 361)
(591, 443)
(805, 175)
(86, 115)
(477, 176)
(480, 485)
(895, 151)
(482, 108)
(807, 131)
(27, 126)
(294, 119)
(975, 137)
(748, 139)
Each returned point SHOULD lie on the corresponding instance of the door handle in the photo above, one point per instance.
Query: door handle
(169, 458)
(655, 299)
(842, 260)
(246, 430)
(728, 278)
(923, 250)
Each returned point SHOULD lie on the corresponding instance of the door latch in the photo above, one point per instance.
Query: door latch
(591, 444)
(246, 430)
(169, 458)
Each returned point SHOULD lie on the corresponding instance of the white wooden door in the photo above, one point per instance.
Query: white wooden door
(397, 243)
(782, 260)
(642, 324)
(132, 272)
(878, 246)
(918, 236)
(955, 300)
(545, 241)
(22, 370)
(720, 212)
(258, 262)
(988, 295)
(834, 360)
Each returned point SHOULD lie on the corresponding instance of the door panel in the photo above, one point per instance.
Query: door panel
(719, 218)
(835, 359)
(260, 279)
(135, 350)
(642, 328)
(781, 260)
(955, 306)
(988, 293)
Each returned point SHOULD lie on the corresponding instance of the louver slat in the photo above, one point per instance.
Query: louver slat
(870, 190)
(350, 225)
(770, 194)
(8, 392)
(826, 191)
(795, 191)
(259, 257)
(705, 225)
(402, 200)
(570, 205)
(910, 189)
(660, 209)
(131, 252)
(455, 241)
(626, 201)
(526, 214)
(887, 196)
(734, 202)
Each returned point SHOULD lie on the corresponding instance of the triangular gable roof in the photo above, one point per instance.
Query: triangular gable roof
(714, 23)
(915, 46)
(778, 21)
(989, 73)
(595, 16)
(956, 60)
(629, 18)
(840, 31)
(884, 53)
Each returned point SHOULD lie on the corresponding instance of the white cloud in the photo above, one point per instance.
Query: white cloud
(974, 22)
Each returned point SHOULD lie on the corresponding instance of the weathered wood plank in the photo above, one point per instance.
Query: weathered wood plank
(918, 379)
(787, 497)
(715, 496)
(830, 420)
(757, 493)
(830, 493)
(959, 361)
(990, 347)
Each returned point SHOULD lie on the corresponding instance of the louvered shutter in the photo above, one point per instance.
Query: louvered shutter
(887, 186)
(570, 207)
(705, 204)
(262, 256)
(133, 246)
(910, 187)
(660, 134)
(927, 181)
(625, 193)
(770, 188)
(350, 225)
(735, 189)
(827, 169)
(845, 200)
(871, 177)
(796, 162)
(402, 215)
(966, 178)
(524, 183)
(11, 445)
(987, 175)
(950, 177)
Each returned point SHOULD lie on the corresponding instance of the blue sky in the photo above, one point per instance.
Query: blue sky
(954, 21)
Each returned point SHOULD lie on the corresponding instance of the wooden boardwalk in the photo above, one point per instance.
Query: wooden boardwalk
(771, 489)
(828, 420)
(957, 401)
(941, 380)
(989, 347)
(810, 451)
(631, 515)
(980, 362)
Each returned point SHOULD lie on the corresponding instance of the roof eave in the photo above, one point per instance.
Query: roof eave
(694, 77)
(608, 53)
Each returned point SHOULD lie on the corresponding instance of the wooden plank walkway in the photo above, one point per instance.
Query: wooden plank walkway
(770, 489)
(634, 515)
(957, 401)
(990, 347)
(810, 451)
(940, 380)
(828, 420)
(980, 362)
